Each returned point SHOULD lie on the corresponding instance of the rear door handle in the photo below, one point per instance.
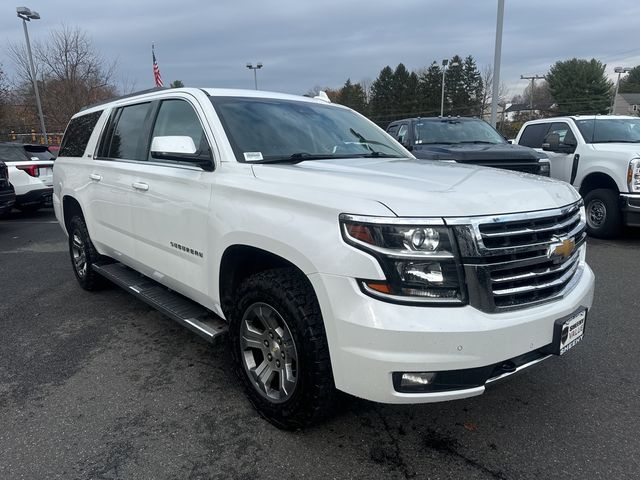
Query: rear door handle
(95, 176)
(140, 186)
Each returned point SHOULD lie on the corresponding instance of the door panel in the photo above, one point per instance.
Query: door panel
(170, 206)
(109, 195)
(561, 163)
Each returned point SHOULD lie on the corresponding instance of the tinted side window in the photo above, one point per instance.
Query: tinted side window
(127, 133)
(533, 135)
(393, 130)
(10, 153)
(178, 118)
(77, 135)
(402, 133)
(564, 133)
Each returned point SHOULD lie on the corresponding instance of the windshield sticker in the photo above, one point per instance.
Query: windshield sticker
(252, 156)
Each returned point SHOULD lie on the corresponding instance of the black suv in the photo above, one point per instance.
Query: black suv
(7, 194)
(465, 140)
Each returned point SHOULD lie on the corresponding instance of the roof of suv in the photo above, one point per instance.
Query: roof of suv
(580, 117)
(212, 92)
(441, 119)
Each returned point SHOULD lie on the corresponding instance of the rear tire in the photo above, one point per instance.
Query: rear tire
(84, 255)
(280, 350)
(604, 219)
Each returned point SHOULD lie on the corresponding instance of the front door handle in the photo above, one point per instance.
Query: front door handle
(140, 186)
(95, 176)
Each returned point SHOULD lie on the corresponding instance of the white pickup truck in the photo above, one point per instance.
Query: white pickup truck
(600, 156)
(332, 258)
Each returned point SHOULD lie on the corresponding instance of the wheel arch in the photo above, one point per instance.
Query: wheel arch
(240, 261)
(70, 208)
(596, 180)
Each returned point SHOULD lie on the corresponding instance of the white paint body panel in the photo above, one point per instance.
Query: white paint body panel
(611, 159)
(292, 211)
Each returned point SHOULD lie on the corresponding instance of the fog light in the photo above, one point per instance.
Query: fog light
(417, 379)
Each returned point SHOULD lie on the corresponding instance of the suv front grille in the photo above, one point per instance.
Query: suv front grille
(518, 260)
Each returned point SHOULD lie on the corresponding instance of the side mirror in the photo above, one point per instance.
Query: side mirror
(551, 143)
(179, 148)
(162, 147)
(409, 147)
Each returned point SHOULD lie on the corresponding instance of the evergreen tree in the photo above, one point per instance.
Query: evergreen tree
(630, 83)
(353, 96)
(580, 86)
(428, 94)
(473, 88)
(455, 95)
(382, 96)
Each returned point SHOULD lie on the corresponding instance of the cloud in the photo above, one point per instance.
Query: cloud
(303, 44)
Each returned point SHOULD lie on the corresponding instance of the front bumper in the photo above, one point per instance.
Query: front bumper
(369, 339)
(631, 208)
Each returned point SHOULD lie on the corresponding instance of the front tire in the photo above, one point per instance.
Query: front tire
(604, 219)
(280, 349)
(83, 255)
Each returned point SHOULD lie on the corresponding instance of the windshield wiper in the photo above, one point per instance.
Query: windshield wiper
(478, 141)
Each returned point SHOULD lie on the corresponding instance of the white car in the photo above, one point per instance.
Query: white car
(30, 172)
(330, 255)
(600, 156)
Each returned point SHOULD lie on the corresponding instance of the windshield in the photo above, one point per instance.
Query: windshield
(266, 129)
(456, 131)
(610, 130)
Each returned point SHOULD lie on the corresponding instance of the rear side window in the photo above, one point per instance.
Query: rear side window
(77, 135)
(11, 153)
(125, 137)
(533, 135)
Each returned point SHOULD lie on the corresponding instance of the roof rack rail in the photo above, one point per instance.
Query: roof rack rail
(121, 97)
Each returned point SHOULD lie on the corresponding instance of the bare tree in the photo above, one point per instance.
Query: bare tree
(487, 90)
(70, 72)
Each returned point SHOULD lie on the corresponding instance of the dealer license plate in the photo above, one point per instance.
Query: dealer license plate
(568, 333)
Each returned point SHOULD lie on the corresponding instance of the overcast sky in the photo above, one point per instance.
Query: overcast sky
(303, 44)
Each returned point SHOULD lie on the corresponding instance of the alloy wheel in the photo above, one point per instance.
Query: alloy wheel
(268, 352)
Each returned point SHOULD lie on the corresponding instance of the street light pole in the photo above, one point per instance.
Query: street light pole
(255, 75)
(445, 62)
(27, 15)
(496, 63)
(619, 71)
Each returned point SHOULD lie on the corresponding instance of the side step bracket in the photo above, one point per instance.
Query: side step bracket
(184, 311)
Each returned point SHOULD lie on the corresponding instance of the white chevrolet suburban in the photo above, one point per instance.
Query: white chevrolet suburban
(332, 257)
(600, 156)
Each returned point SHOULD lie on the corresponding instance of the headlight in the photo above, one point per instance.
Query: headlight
(545, 168)
(419, 258)
(633, 176)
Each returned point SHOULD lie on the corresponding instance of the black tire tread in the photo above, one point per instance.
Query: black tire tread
(92, 280)
(314, 398)
(613, 223)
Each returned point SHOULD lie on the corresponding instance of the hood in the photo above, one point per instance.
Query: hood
(472, 152)
(630, 149)
(418, 188)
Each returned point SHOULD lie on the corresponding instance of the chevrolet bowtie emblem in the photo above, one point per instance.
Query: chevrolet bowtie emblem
(563, 248)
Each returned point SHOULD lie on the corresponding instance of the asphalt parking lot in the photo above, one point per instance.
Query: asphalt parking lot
(98, 385)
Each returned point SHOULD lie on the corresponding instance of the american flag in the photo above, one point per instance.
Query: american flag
(156, 70)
